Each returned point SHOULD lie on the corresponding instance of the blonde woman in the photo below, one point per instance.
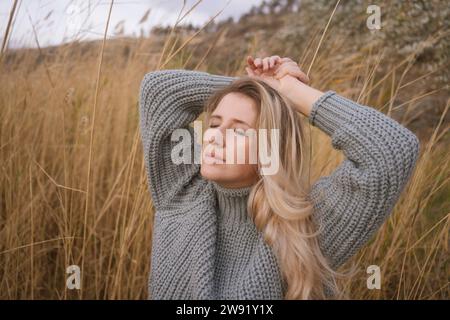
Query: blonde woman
(225, 230)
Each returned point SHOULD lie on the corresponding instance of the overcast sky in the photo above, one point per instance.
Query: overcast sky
(58, 21)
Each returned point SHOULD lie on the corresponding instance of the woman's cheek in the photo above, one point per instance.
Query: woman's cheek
(245, 150)
(251, 150)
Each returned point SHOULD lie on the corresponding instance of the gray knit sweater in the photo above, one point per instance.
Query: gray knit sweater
(204, 244)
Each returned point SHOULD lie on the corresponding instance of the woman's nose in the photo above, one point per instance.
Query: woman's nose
(215, 136)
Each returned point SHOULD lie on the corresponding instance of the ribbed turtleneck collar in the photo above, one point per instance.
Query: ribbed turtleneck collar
(232, 204)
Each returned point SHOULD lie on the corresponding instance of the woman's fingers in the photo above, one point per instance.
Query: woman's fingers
(269, 63)
(292, 71)
(272, 69)
(279, 66)
(291, 68)
(258, 62)
(304, 78)
(251, 62)
(253, 66)
(273, 61)
(265, 64)
(284, 69)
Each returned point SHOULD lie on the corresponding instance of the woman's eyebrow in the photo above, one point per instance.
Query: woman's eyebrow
(232, 119)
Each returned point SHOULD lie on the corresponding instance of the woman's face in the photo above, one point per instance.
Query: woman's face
(239, 113)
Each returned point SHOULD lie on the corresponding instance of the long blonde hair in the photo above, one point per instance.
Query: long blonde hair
(279, 203)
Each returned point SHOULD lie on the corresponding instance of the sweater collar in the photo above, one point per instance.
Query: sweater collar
(232, 204)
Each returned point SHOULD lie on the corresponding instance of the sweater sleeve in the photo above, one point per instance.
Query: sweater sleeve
(351, 203)
(170, 100)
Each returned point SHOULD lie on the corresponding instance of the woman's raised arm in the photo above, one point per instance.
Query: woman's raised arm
(352, 202)
(169, 100)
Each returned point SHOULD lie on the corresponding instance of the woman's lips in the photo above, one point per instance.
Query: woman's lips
(213, 160)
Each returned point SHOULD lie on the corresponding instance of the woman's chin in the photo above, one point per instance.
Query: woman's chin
(212, 171)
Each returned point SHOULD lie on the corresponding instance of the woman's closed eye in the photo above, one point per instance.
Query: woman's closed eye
(238, 131)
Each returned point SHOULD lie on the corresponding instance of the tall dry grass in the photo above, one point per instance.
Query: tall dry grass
(74, 190)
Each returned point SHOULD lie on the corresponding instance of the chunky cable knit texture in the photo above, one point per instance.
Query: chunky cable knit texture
(205, 245)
